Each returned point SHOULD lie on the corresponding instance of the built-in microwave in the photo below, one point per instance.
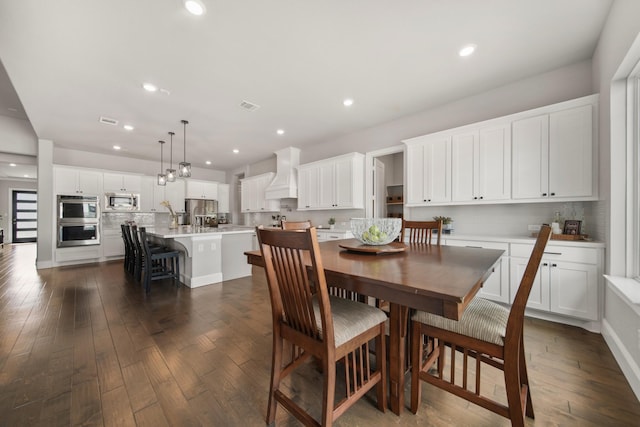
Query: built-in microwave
(121, 202)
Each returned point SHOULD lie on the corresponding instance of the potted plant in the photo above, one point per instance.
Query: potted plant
(446, 223)
(332, 222)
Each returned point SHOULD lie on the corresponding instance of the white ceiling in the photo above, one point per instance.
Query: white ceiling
(74, 61)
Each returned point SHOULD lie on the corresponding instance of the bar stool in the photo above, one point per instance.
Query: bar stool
(129, 252)
(139, 254)
(161, 263)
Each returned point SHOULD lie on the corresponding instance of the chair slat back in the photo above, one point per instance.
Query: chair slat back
(144, 243)
(293, 264)
(516, 315)
(421, 231)
(296, 225)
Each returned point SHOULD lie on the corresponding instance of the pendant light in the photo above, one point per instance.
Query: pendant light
(162, 178)
(184, 166)
(171, 173)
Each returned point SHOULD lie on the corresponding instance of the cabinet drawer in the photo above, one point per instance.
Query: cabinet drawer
(480, 244)
(560, 253)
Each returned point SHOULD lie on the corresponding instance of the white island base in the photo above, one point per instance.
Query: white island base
(209, 255)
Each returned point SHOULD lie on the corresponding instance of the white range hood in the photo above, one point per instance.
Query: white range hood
(285, 184)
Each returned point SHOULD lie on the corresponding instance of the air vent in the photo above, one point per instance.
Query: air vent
(249, 106)
(108, 121)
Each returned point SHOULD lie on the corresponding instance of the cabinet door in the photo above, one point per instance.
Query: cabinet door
(223, 198)
(571, 152)
(307, 187)
(132, 183)
(195, 189)
(247, 195)
(174, 192)
(112, 182)
(530, 149)
(112, 246)
(326, 185)
(66, 181)
(90, 183)
(415, 174)
(539, 296)
(464, 166)
(344, 181)
(264, 204)
(493, 178)
(437, 170)
(574, 289)
(147, 194)
(210, 190)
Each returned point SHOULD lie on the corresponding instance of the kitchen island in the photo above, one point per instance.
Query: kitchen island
(210, 255)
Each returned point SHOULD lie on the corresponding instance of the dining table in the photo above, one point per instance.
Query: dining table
(432, 278)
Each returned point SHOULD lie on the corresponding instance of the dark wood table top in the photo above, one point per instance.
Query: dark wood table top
(438, 279)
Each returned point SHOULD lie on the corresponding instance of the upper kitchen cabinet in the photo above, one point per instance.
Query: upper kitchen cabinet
(174, 193)
(122, 183)
(481, 164)
(335, 183)
(554, 154)
(223, 198)
(253, 194)
(428, 170)
(151, 195)
(202, 189)
(77, 181)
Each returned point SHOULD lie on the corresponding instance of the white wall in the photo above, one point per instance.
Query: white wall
(17, 137)
(63, 156)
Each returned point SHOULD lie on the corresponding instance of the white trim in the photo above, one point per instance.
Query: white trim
(629, 367)
(368, 173)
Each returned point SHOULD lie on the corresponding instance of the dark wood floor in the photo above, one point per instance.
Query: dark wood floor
(85, 346)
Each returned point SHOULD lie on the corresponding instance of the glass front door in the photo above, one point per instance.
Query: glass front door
(25, 215)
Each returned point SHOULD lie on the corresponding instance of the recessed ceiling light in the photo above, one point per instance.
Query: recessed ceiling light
(13, 110)
(347, 102)
(280, 131)
(12, 165)
(195, 7)
(128, 127)
(236, 151)
(26, 176)
(208, 162)
(116, 147)
(149, 87)
(467, 50)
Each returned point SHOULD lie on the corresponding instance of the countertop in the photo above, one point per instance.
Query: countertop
(190, 231)
(523, 239)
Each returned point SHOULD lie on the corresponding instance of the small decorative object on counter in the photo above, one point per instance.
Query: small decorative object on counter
(173, 218)
(447, 227)
(332, 223)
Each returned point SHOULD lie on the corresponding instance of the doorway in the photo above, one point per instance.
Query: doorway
(385, 183)
(24, 208)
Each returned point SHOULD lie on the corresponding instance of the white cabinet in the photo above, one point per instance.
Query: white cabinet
(481, 164)
(223, 198)
(122, 183)
(553, 155)
(151, 195)
(326, 235)
(335, 183)
(174, 193)
(496, 287)
(201, 190)
(428, 170)
(253, 194)
(566, 283)
(77, 181)
(112, 243)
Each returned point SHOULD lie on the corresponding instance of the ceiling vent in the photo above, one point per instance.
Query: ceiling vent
(108, 121)
(249, 106)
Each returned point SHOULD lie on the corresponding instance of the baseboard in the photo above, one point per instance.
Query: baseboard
(44, 264)
(628, 366)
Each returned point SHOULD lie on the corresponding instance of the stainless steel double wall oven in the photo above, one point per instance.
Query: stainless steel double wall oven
(78, 221)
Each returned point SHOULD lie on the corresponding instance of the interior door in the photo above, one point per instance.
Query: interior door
(25, 214)
(379, 193)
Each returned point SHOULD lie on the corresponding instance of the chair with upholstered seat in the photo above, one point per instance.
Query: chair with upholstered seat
(488, 333)
(296, 225)
(330, 329)
(421, 231)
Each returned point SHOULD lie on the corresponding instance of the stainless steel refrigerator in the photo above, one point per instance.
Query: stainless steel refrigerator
(202, 213)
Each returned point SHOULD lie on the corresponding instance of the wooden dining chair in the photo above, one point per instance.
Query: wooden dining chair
(488, 333)
(421, 231)
(329, 328)
(296, 225)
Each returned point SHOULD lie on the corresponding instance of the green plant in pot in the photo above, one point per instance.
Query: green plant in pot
(332, 222)
(446, 223)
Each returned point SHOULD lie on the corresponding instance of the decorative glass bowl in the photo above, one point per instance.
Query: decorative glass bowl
(376, 231)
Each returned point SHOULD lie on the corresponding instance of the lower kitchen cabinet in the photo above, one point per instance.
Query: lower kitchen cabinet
(496, 287)
(566, 283)
(326, 235)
